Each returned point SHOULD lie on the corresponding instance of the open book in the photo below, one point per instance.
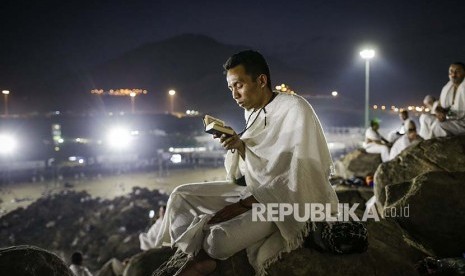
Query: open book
(216, 126)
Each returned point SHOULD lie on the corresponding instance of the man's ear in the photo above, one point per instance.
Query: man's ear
(263, 80)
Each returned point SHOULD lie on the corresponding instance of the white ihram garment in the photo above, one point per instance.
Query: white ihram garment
(373, 147)
(401, 144)
(456, 125)
(287, 161)
(428, 122)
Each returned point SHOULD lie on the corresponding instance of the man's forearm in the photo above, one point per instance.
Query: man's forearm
(248, 201)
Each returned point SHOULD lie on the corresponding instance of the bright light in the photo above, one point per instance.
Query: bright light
(176, 158)
(334, 93)
(81, 161)
(367, 53)
(5, 92)
(61, 141)
(383, 107)
(171, 92)
(132, 94)
(119, 138)
(375, 107)
(151, 213)
(7, 144)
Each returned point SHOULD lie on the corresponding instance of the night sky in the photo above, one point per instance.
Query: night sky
(416, 40)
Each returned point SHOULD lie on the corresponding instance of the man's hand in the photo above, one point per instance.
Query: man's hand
(232, 142)
(227, 213)
(441, 116)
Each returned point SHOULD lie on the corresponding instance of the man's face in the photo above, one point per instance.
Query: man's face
(245, 90)
(403, 116)
(456, 74)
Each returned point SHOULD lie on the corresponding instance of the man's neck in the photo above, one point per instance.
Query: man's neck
(266, 99)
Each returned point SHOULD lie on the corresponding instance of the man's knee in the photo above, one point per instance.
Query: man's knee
(218, 245)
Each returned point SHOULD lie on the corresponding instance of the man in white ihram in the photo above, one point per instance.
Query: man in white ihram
(283, 155)
(451, 110)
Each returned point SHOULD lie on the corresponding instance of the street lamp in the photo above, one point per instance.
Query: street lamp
(133, 98)
(172, 93)
(367, 54)
(6, 93)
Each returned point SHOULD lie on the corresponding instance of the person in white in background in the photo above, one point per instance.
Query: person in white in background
(147, 240)
(396, 134)
(375, 143)
(76, 265)
(409, 139)
(451, 109)
(428, 120)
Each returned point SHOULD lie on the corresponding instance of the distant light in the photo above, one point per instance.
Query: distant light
(396, 109)
(151, 214)
(278, 87)
(57, 112)
(81, 161)
(171, 92)
(367, 54)
(5, 92)
(383, 107)
(176, 158)
(334, 93)
(419, 109)
(427, 110)
(375, 107)
(393, 107)
(7, 144)
(188, 112)
(61, 141)
(132, 94)
(119, 138)
(57, 148)
(72, 158)
(410, 108)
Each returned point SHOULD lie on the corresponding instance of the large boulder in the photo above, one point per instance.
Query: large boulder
(357, 163)
(388, 254)
(432, 211)
(146, 262)
(28, 260)
(440, 154)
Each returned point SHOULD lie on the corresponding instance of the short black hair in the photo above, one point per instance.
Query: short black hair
(374, 122)
(459, 63)
(76, 258)
(254, 64)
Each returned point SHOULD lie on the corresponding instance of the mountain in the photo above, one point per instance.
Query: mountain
(190, 64)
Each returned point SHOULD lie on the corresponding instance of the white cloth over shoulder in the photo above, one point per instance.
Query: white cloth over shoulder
(147, 240)
(447, 97)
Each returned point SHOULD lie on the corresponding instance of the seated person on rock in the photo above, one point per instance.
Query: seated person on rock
(397, 133)
(375, 143)
(428, 120)
(410, 139)
(76, 265)
(451, 109)
(282, 154)
(147, 240)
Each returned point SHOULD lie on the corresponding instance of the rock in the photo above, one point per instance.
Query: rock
(28, 260)
(440, 154)
(388, 254)
(74, 221)
(353, 195)
(436, 212)
(358, 163)
(148, 261)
